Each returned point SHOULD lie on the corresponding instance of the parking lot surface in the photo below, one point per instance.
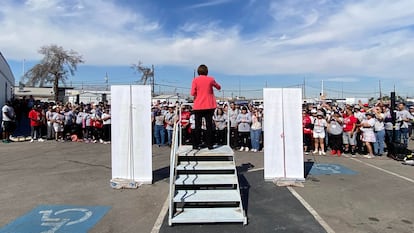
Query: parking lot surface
(43, 177)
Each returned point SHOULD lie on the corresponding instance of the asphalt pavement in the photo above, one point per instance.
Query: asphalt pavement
(42, 182)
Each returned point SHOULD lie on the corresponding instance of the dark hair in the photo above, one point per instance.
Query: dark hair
(202, 70)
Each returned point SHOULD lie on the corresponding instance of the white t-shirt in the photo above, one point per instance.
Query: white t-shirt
(10, 112)
(107, 121)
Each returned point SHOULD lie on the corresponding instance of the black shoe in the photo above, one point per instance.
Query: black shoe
(210, 147)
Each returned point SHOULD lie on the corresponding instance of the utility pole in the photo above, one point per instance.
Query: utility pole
(380, 92)
(239, 88)
(106, 80)
(304, 86)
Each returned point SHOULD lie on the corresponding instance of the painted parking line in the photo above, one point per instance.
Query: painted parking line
(384, 170)
(57, 219)
(311, 210)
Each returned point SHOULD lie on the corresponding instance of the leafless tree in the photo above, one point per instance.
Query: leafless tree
(55, 67)
(147, 74)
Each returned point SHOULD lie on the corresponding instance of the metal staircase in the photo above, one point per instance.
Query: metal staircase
(204, 187)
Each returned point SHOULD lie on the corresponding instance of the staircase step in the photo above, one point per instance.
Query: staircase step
(208, 215)
(205, 165)
(219, 151)
(217, 179)
(211, 195)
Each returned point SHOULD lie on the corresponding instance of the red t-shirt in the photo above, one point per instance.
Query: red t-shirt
(34, 117)
(349, 122)
(306, 124)
(185, 118)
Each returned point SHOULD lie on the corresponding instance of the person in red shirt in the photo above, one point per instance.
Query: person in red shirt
(185, 123)
(204, 105)
(35, 117)
(349, 134)
(307, 131)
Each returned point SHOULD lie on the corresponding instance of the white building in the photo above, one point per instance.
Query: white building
(88, 96)
(6, 81)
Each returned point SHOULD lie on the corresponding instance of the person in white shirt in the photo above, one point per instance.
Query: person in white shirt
(233, 112)
(379, 130)
(401, 124)
(8, 123)
(244, 120)
(319, 125)
(58, 121)
(170, 118)
(368, 135)
(106, 118)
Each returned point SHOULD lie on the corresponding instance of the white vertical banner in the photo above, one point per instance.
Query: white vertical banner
(131, 134)
(283, 139)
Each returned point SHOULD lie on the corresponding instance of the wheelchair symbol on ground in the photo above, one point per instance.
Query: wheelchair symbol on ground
(56, 219)
(330, 169)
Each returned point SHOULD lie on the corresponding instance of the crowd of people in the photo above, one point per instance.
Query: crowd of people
(346, 130)
(89, 123)
(246, 131)
(361, 128)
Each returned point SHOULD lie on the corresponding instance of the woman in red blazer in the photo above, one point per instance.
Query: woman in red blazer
(204, 105)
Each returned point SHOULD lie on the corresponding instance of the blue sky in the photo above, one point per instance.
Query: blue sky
(352, 45)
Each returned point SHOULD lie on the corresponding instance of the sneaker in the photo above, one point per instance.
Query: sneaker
(31, 140)
(246, 149)
(94, 141)
(339, 153)
(40, 140)
(306, 153)
(368, 156)
(353, 156)
(346, 156)
(320, 152)
(333, 152)
(101, 141)
(241, 149)
(323, 153)
(315, 152)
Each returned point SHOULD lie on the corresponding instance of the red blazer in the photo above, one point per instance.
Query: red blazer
(202, 90)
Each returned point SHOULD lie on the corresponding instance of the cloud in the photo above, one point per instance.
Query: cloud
(208, 4)
(341, 39)
(344, 79)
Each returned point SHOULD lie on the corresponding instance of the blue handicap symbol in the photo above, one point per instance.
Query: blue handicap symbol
(57, 219)
(330, 169)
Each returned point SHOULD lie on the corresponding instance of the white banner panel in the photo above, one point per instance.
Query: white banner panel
(283, 156)
(131, 132)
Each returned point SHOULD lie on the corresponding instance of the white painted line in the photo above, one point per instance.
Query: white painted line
(158, 223)
(318, 218)
(255, 169)
(312, 211)
(384, 170)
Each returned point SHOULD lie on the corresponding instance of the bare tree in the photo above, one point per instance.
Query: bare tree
(55, 67)
(147, 74)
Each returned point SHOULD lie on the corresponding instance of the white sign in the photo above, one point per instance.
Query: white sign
(283, 156)
(131, 143)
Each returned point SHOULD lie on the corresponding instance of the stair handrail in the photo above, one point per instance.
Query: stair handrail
(173, 171)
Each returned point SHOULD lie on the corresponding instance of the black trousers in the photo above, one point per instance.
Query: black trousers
(207, 114)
